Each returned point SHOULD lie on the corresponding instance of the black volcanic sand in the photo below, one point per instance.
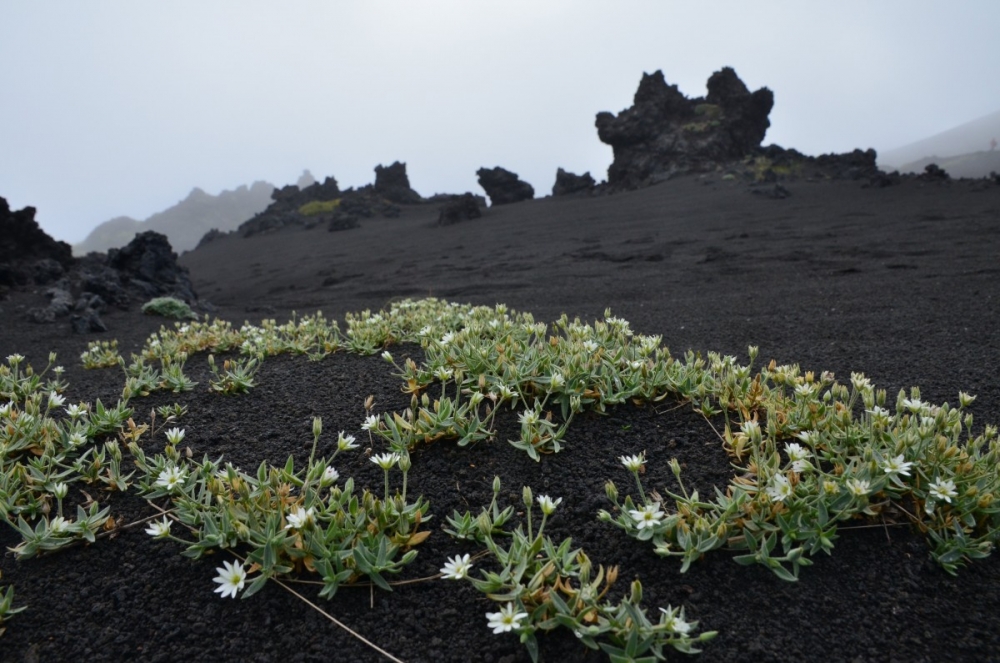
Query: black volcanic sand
(900, 283)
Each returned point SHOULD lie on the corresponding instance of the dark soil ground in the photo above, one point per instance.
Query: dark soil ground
(901, 283)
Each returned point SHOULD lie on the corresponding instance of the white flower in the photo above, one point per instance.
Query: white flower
(804, 390)
(913, 404)
(557, 380)
(55, 400)
(447, 338)
(648, 516)
(170, 478)
(750, 428)
(443, 374)
(633, 463)
(860, 382)
(897, 466)
(807, 436)
(74, 411)
(387, 356)
(590, 346)
(345, 442)
(175, 435)
(231, 579)
(528, 418)
(675, 623)
(780, 488)
(943, 490)
(330, 475)
(371, 422)
(386, 460)
(160, 529)
(857, 487)
(60, 490)
(59, 525)
(5, 409)
(796, 451)
(300, 518)
(457, 567)
(547, 504)
(76, 439)
(506, 619)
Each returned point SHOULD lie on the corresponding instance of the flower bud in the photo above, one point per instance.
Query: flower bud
(496, 485)
(526, 496)
(317, 426)
(611, 491)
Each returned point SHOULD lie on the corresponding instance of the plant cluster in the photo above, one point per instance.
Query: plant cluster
(540, 585)
(810, 454)
(287, 519)
(852, 458)
(169, 307)
(314, 207)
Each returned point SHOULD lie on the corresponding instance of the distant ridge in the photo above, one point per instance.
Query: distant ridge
(977, 164)
(185, 223)
(965, 139)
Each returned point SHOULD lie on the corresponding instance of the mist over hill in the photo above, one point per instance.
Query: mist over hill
(185, 223)
(972, 142)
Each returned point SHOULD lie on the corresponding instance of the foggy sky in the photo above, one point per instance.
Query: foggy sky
(120, 108)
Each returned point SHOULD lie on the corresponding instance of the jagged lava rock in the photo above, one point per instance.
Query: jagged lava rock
(504, 187)
(392, 183)
(148, 264)
(665, 133)
(569, 183)
(460, 208)
(27, 251)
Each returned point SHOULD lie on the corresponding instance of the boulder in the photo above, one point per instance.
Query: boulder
(664, 133)
(934, 173)
(569, 183)
(149, 265)
(392, 183)
(504, 187)
(23, 245)
(460, 208)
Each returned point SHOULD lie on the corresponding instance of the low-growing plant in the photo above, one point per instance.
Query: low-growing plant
(101, 354)
(169, 307)
(540, 586)
(288, 520)
(236, 376)
(314, 207)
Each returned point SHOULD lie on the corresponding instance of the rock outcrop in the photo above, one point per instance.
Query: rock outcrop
(392, 183)
(27, 253)
(460, 208)
(504, 187)
(664, 133)
(81, 289)
(326, 205)
(570, 183)
(148, 266)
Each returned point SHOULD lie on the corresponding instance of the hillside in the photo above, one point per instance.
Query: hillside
(186, 222)
(965, 139)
